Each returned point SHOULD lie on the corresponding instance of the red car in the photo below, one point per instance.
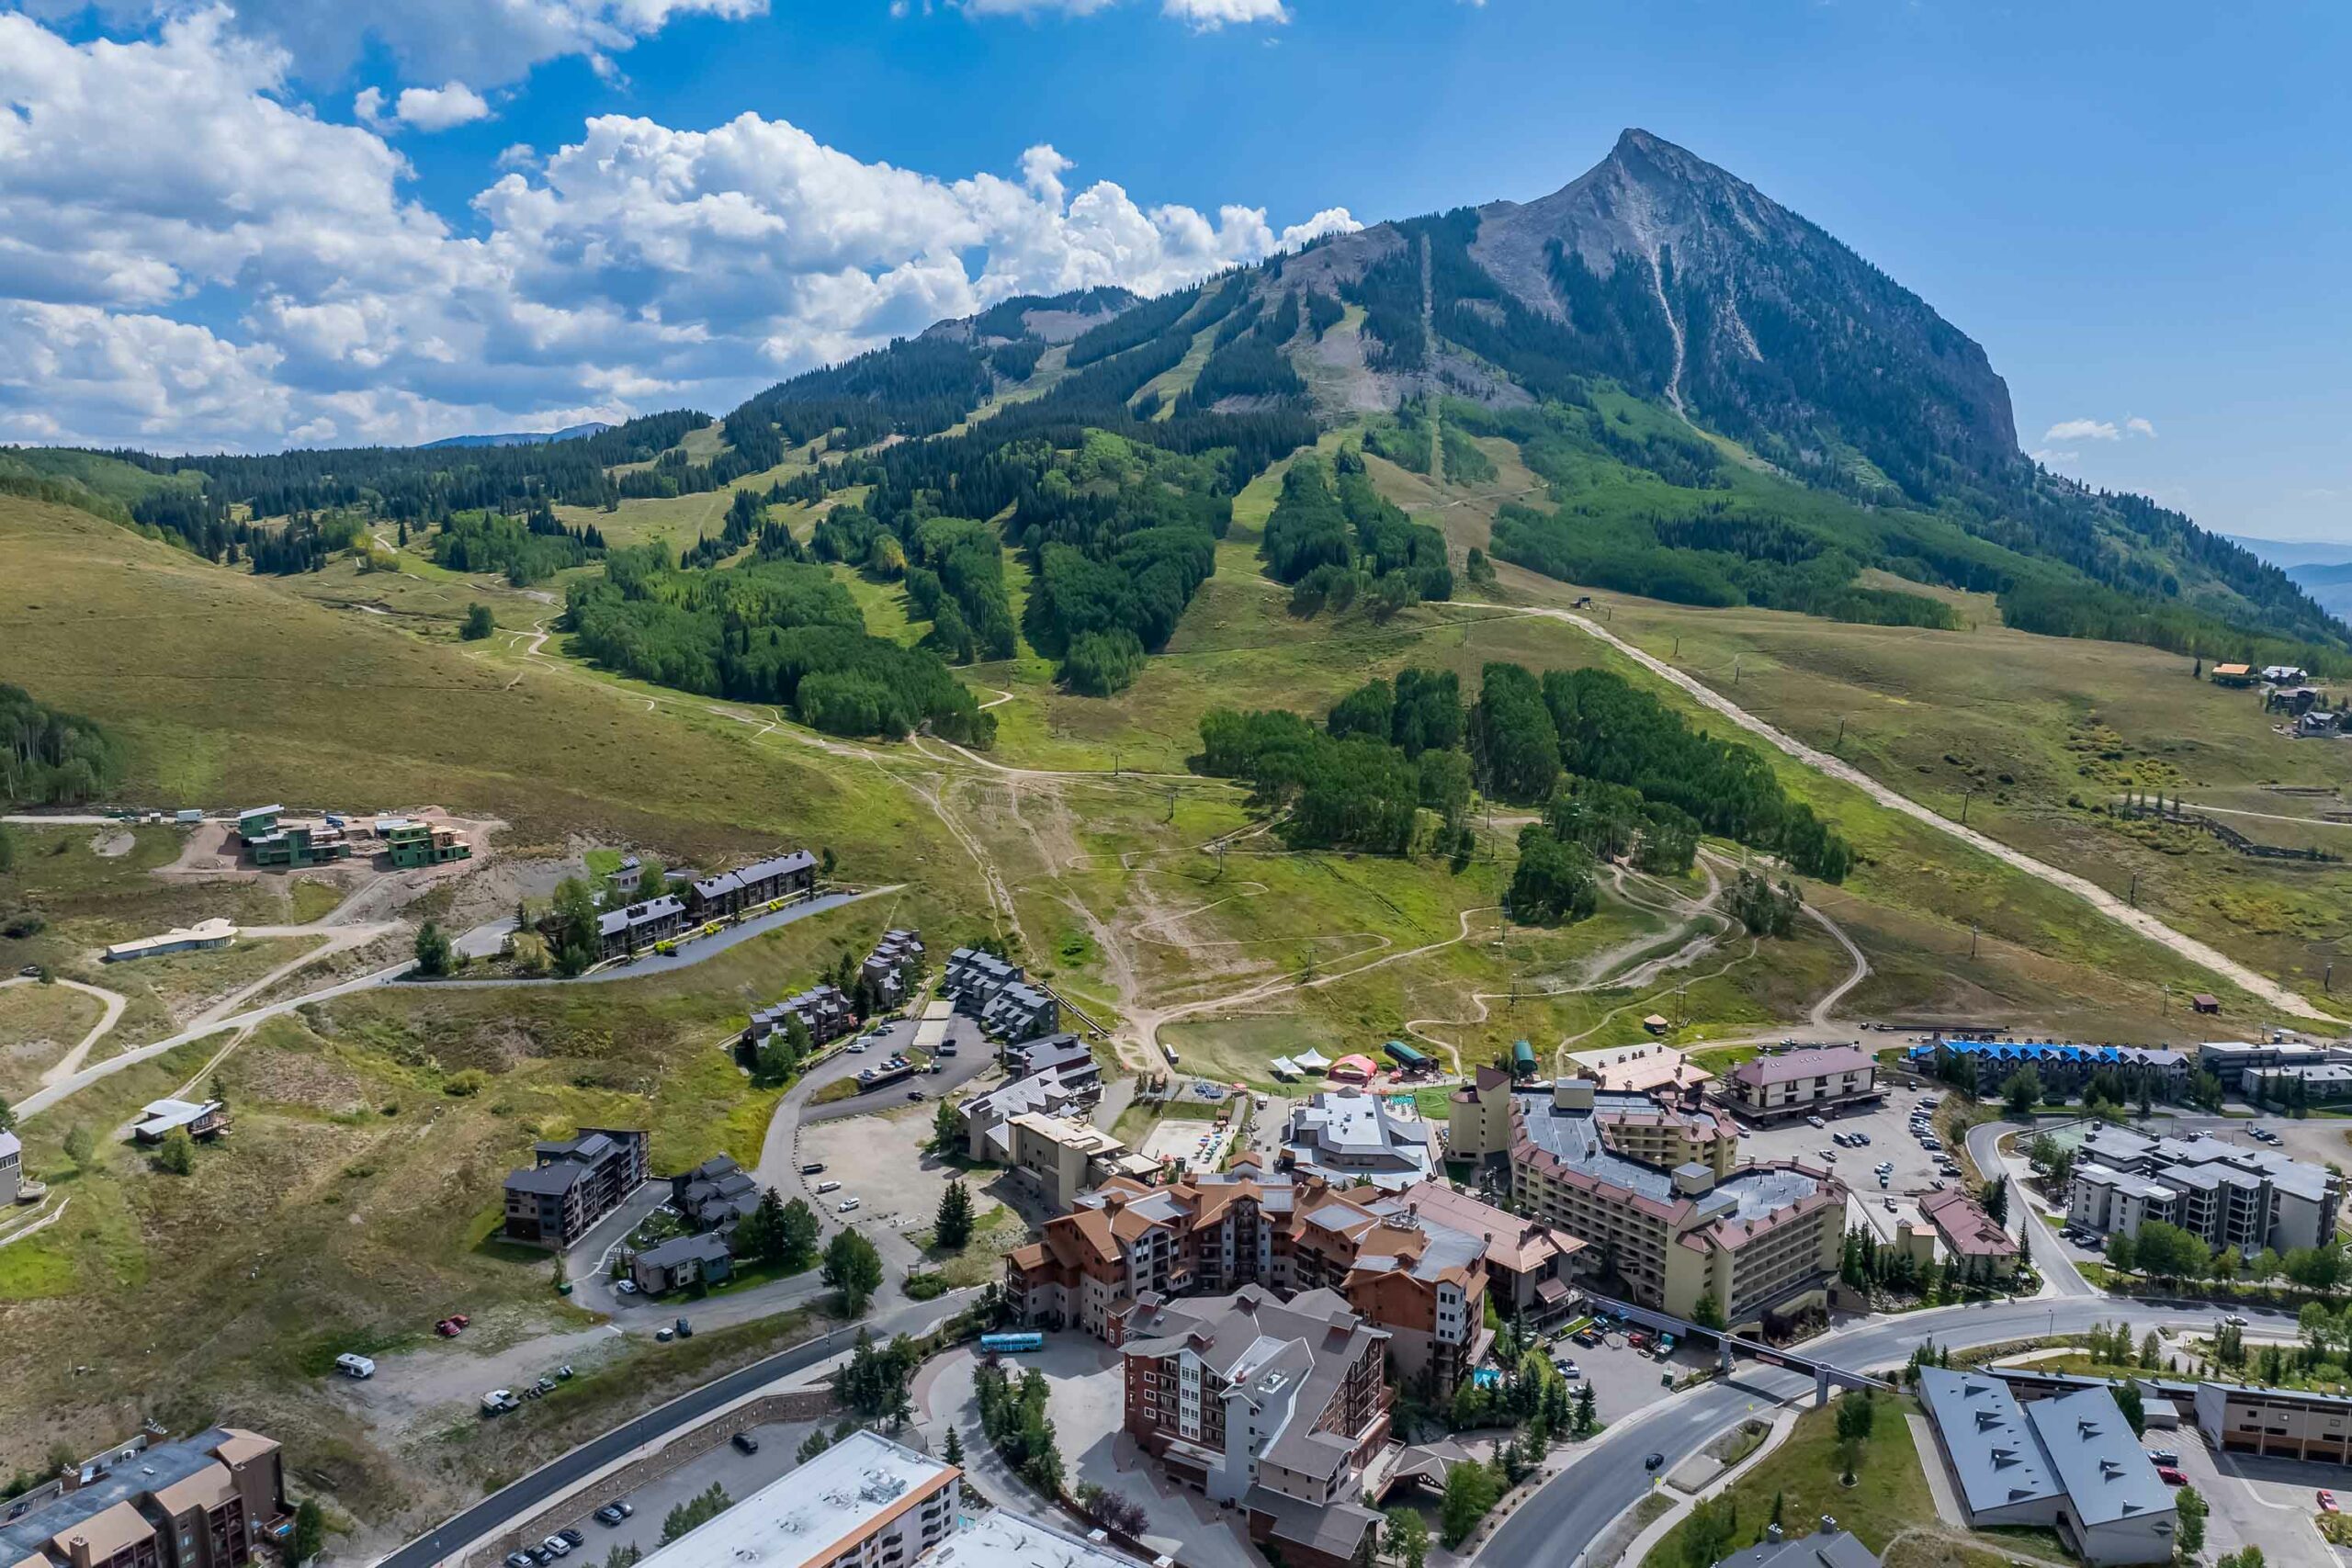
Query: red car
(2171, 1477)
(451, 1326)
(2326, 1501)
(1637, 1340)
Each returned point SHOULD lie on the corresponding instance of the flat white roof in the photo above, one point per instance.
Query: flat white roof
(807, 1515)
(998, 1539)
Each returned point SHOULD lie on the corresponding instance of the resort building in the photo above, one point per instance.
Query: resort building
(1350, 1135)
(573, 1183)
(2232, 1061)
(1659, 1195)
(893, 965)
(823, 1010)
(1065, 1156)
(637, 926)
(2063, 1069)
(1418, 1264)
(2070, 1462)
(1973, 1243)
(2280, 1423)
(1054, 1077)
(1647, 1068)
(865, 1502)
(1273, 1407)
(790, 875)
(213, 1501)
(2228, 1195)
(1799, 1083)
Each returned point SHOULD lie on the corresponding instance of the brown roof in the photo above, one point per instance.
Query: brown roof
(1517, 1245)
(1965, 1227)
(207, 1489)
(107, 1533)
(1816, 1062)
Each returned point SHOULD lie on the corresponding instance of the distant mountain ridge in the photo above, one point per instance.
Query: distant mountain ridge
(521, 437)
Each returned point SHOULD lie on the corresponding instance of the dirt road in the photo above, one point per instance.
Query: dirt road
(2090, 892)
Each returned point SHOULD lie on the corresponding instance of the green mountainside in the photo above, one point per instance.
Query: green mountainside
(1726, 406)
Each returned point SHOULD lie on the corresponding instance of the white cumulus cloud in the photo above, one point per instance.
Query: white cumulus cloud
(145, 183)
(2099, 430)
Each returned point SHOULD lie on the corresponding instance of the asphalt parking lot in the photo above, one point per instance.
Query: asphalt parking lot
(2265, 1503)
(884, 1162)
(1888, 1128)
(974, 1056)
(740, 1474)
(1625, 1380)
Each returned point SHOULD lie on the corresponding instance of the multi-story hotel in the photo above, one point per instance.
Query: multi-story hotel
(1418, 1264)
(1660, 1196)
(1274, 1406)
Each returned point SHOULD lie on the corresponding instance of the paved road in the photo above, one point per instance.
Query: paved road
(494, 1512)
(1606, 1476)
(2050, 1259)
(2082, 888)
(693, 952)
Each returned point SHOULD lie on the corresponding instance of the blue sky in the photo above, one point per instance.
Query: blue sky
(2139, 209)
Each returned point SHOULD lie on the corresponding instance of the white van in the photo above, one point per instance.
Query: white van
(352, 1366)
(824, 1187)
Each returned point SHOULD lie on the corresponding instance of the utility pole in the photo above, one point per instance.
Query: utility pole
(1677, 649)
(1973, 931)
(2133, 896)
(1171, 802)
(1734, 670)
(1840, 743)
(1114, 762)
(1966, 796)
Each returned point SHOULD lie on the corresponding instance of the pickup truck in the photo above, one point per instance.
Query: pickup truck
(499, 1401)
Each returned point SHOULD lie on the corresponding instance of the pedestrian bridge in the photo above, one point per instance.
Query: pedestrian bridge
(1824, 1374)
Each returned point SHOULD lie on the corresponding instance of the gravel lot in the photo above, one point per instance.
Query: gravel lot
(880, 1159)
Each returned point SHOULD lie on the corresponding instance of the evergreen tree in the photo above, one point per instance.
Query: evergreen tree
(953, 1226)
(433, 954)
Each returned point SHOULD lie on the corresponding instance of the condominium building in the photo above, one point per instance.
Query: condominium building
(823, 1010)
(636, 927)
(893, 965)
(1352, 1134)
(1000, 994)
(1270, 1405)
(573, 1183)
(1065, 1156)
(1418, 1264)
(208, 1502)
(410, 843)
(1054, 1077)
(2231, 1060)
(2282, 1423)
(865, 1502)
(1659, 1195)
(2229, 1196)
(2063, 1069)
(1648, 1067)
(1797, 1083)
(1975, 1243)
(790, 875)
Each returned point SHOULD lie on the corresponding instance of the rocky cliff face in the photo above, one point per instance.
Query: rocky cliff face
(1754, 320)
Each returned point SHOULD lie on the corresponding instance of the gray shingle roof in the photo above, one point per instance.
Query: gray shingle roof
(1994, 1451)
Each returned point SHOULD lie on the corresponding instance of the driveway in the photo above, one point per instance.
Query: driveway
(2265, 1503)
(690, 954)
(739, 1474)
(1088, 1406)
(2054, 1259)
(974, 1056)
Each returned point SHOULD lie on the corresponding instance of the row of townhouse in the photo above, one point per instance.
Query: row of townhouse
(823, 1010)
(2062, 1068)
(998, 992)
(894, 966)
(1660, 1195)
(637, 927)
(1420, 1264)
(2228, 1196)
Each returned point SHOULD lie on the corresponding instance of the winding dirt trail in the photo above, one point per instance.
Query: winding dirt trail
(66, 1066)
(2089, 892)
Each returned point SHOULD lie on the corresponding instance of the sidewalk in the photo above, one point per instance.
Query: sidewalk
(1784, 1421)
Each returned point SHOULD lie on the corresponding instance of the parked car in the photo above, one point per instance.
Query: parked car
(556, 1546)
(1568, 1369)
(1890, 1199)
(857, 1047)
(814, 1167)
(1829, 1155)
(914, 1094)
(571, 1536)
(846, 1205)
(2236, 1320)
(1861, 1137)
(662, 1335)
(519, 1560)
(1588, 1338)
(539, 1555)
(824, 1187)
(625, 1287)
(2171, 1475)
(499, 1401)
(745, 1443)
(686, 1330)
(355, 1366)
(2326, 1501)
(1815, 1122)
(2163, 1456)
(452, 1326)
(614, 1512)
